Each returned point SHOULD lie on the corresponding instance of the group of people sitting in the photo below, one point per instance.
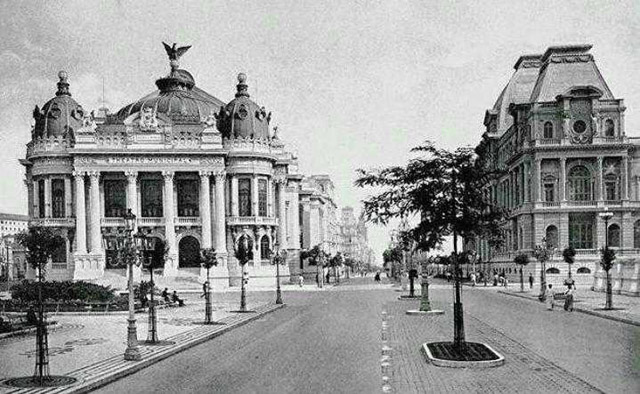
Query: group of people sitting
(173, 298)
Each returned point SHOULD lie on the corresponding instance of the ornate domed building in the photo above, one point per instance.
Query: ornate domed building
(196, 172)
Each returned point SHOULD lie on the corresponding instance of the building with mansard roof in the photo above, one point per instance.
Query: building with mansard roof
(559, 132)
(196, 172)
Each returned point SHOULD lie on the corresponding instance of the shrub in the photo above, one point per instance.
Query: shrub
(62, 291)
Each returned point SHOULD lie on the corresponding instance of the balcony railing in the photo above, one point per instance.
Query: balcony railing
(590, 203)
(548, 204)
(253, 220)
(549, 141)
(112, 222)
(53, 222)
(187, 221)
(150, 221)
(615, 203)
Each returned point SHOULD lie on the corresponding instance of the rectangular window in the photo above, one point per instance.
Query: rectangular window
(244, 197)
(188, 198)
(548, 192)
(57, 196)
(41, 202)
(581, 231)
(611, 191)
(115, 198)
(151, 198)
(262, 197)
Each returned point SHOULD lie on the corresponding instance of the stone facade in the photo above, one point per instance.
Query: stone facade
(196, 172)
(559, 132)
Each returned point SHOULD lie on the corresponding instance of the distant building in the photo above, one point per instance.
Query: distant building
(12, 259)
(11, 224)
(560, 133)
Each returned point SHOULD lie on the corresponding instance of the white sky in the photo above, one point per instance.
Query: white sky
(351, 83)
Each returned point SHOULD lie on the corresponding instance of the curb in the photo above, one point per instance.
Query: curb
(118, 368)
(463, 364)
(409, 298)
(414, 312)
(582, 310)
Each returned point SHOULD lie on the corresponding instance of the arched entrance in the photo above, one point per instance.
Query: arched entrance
(189, 252)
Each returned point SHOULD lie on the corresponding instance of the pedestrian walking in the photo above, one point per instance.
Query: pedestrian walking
(568, 301)
(550, 297)
(530, 280)
(328, 277)
(505, 282)
(377, 277)
(300, 280)
(495, 279)
(473, 279)
(205, 285)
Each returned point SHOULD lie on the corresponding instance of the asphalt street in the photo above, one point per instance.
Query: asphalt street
(330, 342)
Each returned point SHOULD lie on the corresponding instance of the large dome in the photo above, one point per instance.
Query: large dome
(59, 117)
(242, 118)
(177, 97)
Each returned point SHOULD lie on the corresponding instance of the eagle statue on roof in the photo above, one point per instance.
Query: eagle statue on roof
(173, 52)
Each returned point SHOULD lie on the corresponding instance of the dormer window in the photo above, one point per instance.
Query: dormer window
(548, 130)
(609, 128)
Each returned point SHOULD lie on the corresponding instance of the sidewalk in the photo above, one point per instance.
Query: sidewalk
(91, 348)
(627, 309)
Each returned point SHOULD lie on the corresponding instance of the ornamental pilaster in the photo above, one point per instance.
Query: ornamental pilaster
(94, 217)
(282, 225)
(221, 233)
(169, 214)
(599, 182)
(562, 185)
(81, 219)
(625, 177)
(205, 208)
(132, 192)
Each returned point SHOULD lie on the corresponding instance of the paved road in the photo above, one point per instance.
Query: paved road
(331, 342)
(321, 342)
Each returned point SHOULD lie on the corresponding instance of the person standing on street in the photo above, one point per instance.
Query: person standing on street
(530, 280)
(550, 297)
(568, 301)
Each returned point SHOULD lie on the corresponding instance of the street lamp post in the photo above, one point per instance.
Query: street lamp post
(606, 215)
(147, 246)
(279, 257)
(122, 242)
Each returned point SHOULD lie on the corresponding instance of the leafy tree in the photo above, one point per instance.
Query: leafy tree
(569, 257)
(521, 259)
(336, 262)
(40, 244)
(316, 257)
(607, 256)
(393, 255)
(543, 252)
(446, 191)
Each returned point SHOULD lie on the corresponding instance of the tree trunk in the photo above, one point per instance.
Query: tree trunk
(521, 281)
(543, 282)
(609, 300)
(458, 315)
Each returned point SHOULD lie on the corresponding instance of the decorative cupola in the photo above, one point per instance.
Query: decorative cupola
(59, 117)
(177, 96)
(243, 118)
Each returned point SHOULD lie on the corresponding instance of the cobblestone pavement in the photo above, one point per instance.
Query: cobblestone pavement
(546, 352)
(82, 340)
(625, 307)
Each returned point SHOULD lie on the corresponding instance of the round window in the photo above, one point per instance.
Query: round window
(579, 126)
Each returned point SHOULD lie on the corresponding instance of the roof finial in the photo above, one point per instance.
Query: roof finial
(63, 85)
(242, 85)
(175, 54)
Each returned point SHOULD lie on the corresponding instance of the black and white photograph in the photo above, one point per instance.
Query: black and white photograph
(334, 196)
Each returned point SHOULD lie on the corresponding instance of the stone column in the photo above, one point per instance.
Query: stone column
(600, 183)
(537, 179)
(254, 195)
(282, 225)
(562, 185)
(94, 217)
(205, 208)
(295, 221)
(234, 195)
(221, 233)
(132, 191)
(625, 178)
(637, 178)
(36, 199)
(269, 198)
(81, 221)
(525, 180)
(68, 205)
(170, 230)
(47, 197)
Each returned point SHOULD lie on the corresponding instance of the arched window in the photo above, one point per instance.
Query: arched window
(611, 187)
(614, 235)
(580, 184)
(636, 234)
(265, 250)
(609, 128)
(584, 270)
(552, 270)
(548, 130)
(244, 197)
(552, 236)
